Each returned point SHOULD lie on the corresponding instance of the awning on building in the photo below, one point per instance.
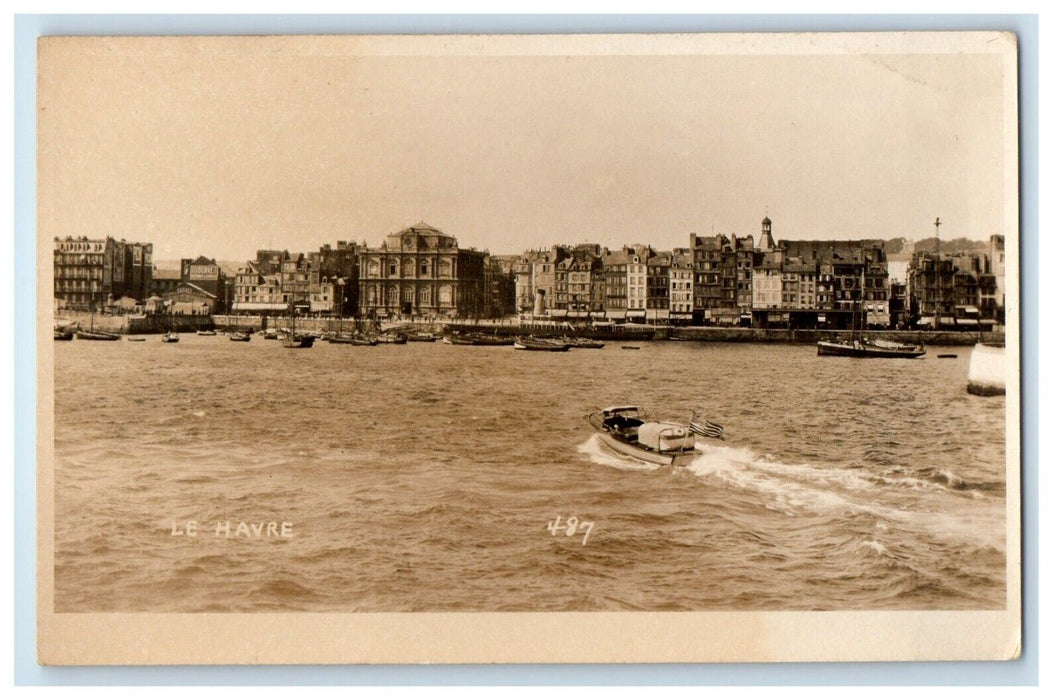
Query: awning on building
(557, 313)
(636, 314)
(970, 309)
(968, 322)
(616, 314)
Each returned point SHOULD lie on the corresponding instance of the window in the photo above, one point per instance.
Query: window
(425, 268)
(393, 267)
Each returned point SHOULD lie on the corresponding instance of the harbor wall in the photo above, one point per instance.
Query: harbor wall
(714, 334)
(137, 325)
(703, 334)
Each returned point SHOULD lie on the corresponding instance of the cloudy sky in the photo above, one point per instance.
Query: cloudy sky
(220, 147)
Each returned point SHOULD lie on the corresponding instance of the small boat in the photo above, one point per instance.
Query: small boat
(540, 345)
(64, 334)
(298, 340)
(986, 370)
(137, 340)
(239, 337)
(422, 337)
(629, 432)
(170, 337)
(584, 343)
(207, 332)
(491, 340)
(270, 334)
(869, 348)
(855, 346)
(948, 356)
(361, 340)
(631, 347)
(392, 338)
(97, 335)
(455, 339)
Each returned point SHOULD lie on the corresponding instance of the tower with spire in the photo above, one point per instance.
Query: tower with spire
(765, 242)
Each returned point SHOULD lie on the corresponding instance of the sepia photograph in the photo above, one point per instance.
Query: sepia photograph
(707, 339)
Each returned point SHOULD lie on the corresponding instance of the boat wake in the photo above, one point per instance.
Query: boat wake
(918, 499)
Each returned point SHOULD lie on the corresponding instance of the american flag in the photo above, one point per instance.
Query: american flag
(708, 429)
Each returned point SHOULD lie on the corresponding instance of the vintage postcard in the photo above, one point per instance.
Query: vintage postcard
(454, 349)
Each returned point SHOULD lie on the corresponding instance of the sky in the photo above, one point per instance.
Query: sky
(220, 147)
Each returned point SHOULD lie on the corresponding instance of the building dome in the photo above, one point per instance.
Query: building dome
(766, 221)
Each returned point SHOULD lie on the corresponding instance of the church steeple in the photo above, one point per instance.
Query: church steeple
(765, 242)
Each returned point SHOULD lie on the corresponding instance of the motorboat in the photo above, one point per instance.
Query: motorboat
(629, 432)
(170, 337)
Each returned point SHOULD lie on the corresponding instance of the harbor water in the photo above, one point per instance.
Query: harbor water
(425, 477)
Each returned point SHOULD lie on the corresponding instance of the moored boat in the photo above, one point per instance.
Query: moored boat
(868, 348)
(206, 332)
(392, 338)
(239, 337)
(170, 337)
(422, 337)
(97, 335)
(63, 334)
(136, 340)
(584, 343)
(455, 339)
(627, 431)
(540, 345)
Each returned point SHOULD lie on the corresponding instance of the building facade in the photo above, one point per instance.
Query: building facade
(421, 272)
(91, 274)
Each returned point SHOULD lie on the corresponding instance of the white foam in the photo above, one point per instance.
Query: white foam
(599, 454)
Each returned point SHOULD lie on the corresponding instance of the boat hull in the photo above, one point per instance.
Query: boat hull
(831, 349)
(91, 335)
(676, 459)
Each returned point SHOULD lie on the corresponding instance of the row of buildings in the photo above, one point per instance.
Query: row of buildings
(423, 272)
(732, 280)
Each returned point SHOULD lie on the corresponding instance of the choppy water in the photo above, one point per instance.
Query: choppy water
(423, 477)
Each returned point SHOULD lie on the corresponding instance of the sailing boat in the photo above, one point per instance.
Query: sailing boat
(863, 347)
(293, 339)
(93, 334)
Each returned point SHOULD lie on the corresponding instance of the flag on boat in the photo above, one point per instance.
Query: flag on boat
(707, 428)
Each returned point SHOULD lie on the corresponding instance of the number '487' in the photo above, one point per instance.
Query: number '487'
(570, 527)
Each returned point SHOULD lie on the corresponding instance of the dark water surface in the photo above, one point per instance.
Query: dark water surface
(423, 477)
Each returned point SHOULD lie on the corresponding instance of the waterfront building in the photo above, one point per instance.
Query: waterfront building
(637, 282)
(616, 284)
(585, 262)
(190, 299)
(337, 266)
(500, 287)
(90, 274)
(681, 280)
(204, 273)
(421, 272)
(164, 280)
(257, 291)
(658, 285)
(724, 272)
